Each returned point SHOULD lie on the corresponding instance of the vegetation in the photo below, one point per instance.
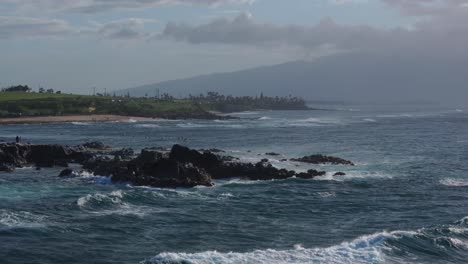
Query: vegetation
(222, 103)
(21, 101)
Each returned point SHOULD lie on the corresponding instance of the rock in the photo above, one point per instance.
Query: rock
(264, 160)
(212, 150)
(272, 154)
(259, 171)
(66, 173)
(204, 160)
(150, 155)
(96, 145)
(283, 160)
(163, 173)
(18, 155)
(339, 174)
(321, 159)
(124, 153)
(6, 168)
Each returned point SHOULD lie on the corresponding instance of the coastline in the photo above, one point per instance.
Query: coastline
(68, 119)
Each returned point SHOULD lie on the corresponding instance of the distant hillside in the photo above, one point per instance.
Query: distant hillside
(355, 77)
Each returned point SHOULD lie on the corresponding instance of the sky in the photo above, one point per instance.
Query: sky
(75, 45)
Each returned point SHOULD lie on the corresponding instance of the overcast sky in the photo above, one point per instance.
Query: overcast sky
(74, 45)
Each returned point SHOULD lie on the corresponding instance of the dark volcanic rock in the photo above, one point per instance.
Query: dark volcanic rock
(17, 155)
(339, 174)
(321, 159)
(96, 145)
(181, 167)
(259, 171)
(272, 154)
(204, 160)
(6, 168)
(151, 155)
(66, 173)
(124, 153)
(171, 173)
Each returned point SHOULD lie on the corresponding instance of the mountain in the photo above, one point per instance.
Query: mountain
(351, 76)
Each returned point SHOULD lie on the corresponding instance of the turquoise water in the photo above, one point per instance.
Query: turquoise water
(406, 201)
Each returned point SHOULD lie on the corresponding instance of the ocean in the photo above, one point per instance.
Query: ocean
(405, 201)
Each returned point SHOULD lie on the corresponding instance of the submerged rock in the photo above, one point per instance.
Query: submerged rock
(322, 159)
(66, 173)
(339, 174)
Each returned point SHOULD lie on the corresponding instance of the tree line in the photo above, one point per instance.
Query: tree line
(27, 89)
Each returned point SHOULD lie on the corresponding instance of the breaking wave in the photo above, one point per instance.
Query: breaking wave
(411, 246)
(20, 219)
(454, 182)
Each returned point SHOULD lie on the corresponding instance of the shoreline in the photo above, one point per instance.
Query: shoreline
(69, 119)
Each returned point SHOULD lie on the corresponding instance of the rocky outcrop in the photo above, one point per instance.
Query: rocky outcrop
(157, 167)
(322, 159)
(97, 145)
(18, 155)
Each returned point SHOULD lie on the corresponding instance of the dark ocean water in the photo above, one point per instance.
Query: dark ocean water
(406, 201)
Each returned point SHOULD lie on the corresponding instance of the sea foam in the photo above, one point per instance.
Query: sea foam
(454, 182)
(365, 249)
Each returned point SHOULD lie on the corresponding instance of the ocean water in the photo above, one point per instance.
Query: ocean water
(406, 201)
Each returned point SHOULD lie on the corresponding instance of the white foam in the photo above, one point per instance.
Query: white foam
(20, 219)
(265, 118)
(454, 182)
(114, 197)
(353, 175)
(370, 120)
(245, 113)
(327, 194)
(81, 123)
(320, 120)
(95, 179)
(190, 125)
(365, 249)
(148, 125)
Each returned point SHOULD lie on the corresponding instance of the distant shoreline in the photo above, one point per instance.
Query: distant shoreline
(68, 119)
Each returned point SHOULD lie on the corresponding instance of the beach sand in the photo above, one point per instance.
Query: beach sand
(67, 119)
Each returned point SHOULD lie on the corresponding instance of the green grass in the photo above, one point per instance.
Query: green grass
(8, 96)
(13, 104)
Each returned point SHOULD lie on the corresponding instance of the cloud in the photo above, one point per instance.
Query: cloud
(429, 7)
(14, 27)
(94, 6)
(23, 27)
(243, 29)
(131, 28)
(439, 35)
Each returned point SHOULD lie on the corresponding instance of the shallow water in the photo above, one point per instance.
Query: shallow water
(404, 202)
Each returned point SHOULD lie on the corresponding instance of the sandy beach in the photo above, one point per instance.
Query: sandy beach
(66, 119)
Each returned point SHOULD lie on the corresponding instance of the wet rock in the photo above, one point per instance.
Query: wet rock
(339, 174)
(150, 155)
(66, 173)
(322, 159)
(6, 168)
(97, 145)
(125, 153)
(272, 154)
(204, 160)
